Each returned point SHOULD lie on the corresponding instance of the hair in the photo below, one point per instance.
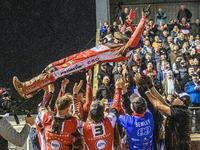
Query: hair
(64, 102)
(139, 104)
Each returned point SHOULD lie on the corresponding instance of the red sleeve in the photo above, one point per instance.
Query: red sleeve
(135, 38)
(89, 98)
(117, 99)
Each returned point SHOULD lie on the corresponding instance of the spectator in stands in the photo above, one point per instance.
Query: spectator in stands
(124, 16)
(103, 29)
(148, 59)
(134, 69)
(191, 42)
(160, 28)
(104, 71)
(105, 90)
(180, 41)
(196, 65)
(140, 54)
(171, 25)
(198, 49)
(179, 69)
(195, 27)
(197, 38)
(170, 85)
(152, 31)
(134, 59)
(156, 39)
(162, 73)
(174, 32)
(114, 27)
(185, 50)
(193, 89)
(184, 13)
(118, 72)
(187, 77)
(185, 27)
(160, 16)
(149, 69)
(156, 56)
(147, 47)
(163, 37)
(173, 55)
(109, 38)
(168, 43)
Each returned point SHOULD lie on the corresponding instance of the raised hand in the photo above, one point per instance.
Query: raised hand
(89, 76)
(64, 84)
(146, 12)
(77, 88)
(118, 83)
(124, 85)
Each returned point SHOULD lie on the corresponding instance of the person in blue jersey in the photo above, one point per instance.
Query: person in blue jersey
(140, 125)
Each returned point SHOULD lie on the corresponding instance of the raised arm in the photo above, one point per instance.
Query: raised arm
(89, 95)
(76, 89)
(135, 38)
(157, 103)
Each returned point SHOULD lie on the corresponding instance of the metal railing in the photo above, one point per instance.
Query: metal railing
(195, 119)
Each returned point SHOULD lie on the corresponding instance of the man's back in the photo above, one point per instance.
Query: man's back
(178, 129)
(139, 130)
(99, 136)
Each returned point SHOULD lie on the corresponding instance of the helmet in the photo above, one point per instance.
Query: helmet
(97, 111)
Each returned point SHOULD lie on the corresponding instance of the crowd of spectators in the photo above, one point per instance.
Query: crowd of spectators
(170, 55)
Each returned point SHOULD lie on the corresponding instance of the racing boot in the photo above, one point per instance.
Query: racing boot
(28, 89)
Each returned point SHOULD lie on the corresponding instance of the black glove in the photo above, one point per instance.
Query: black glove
(149, 81)
(146, 12)
(145, 88)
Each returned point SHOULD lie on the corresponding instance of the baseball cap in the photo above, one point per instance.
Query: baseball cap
(195, 74)
(139, 104)
(103, 64)
(97, 111)
(185, 98)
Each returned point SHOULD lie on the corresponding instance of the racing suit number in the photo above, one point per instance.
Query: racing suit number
(98, 130)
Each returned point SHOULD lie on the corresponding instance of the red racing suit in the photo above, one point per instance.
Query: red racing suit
(101, 135)
(86, 60)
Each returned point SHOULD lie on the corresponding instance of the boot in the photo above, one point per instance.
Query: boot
(27, 89)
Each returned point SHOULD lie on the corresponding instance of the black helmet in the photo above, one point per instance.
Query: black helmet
(97, 111)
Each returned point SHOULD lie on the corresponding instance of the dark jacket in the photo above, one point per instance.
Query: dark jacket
(187, 17)
(105, 92)
(185, 79)
(177, 129)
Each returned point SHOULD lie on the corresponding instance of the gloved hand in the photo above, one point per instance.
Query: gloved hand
(149, 81)
(145, 88)
(146, 12)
